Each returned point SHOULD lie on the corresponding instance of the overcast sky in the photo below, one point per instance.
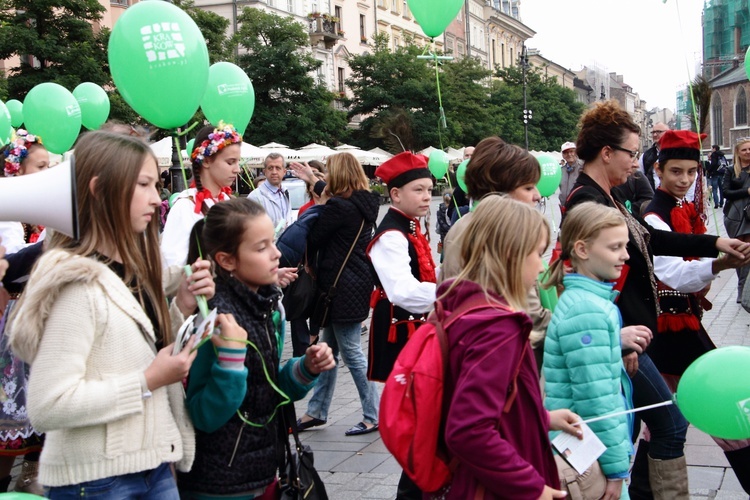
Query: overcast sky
(643, 40)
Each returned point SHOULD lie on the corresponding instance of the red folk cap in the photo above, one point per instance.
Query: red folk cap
(402, 169)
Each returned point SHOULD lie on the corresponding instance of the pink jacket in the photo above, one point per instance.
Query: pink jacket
(507, 455)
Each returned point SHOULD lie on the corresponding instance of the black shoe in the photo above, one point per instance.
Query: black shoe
(716, 206)
(361, 428)
(315, 422)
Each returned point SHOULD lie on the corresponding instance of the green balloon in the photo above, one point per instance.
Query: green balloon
(438, 163)
(189, 147)
(5, 128)
(94, 103)
(173, 198)
(551, 175)
(714, 394)
(434, 16)
(229, 97)
(16, 112)
(159, 62)
(51, 112)
(461, 175)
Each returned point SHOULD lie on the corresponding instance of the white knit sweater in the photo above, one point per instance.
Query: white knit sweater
(89, 342)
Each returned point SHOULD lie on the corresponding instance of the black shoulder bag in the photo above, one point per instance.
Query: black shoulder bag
(321, 312)
(299, 479)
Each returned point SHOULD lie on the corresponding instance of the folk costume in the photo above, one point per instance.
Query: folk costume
(405, 272)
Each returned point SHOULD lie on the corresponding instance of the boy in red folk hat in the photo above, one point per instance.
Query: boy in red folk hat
(683, 282)
(402, 259)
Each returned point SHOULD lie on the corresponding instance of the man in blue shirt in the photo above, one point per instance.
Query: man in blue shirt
(271, 195)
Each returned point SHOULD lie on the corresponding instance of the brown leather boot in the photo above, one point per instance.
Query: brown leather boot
(26, 482)
(669, 478)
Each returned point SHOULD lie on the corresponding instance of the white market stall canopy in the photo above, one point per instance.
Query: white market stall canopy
(163, 151)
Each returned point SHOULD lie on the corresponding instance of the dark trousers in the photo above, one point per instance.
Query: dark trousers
(716, 193)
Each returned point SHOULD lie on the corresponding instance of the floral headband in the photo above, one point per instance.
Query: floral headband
(224, 135)
(18, 149)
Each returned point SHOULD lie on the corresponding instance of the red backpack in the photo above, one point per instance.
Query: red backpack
(412, 408)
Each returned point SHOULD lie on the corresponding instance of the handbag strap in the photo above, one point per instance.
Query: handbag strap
(351, 249)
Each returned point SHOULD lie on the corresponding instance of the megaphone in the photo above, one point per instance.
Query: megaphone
(46, 198)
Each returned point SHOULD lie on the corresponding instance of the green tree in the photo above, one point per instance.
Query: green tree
(555, 109)
(55, 42)
(702, 93)
(290, 106)
(397, 94)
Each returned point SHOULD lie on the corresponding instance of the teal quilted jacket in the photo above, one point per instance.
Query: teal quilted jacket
(583, 366)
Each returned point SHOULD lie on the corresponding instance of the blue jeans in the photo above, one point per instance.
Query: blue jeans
(345, 337)
(667, 425)
(716, 193)
(154, 484)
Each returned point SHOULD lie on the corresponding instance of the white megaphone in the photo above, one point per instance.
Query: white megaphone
(46, 198)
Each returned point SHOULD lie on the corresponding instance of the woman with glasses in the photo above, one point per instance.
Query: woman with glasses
(608, 145)
(736, 190)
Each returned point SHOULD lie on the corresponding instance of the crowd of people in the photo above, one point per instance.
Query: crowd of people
(100, 401)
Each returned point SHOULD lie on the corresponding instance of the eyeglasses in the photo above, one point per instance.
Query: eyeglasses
(633, 154)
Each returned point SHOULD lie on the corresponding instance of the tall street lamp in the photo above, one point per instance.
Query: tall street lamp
(524, 60)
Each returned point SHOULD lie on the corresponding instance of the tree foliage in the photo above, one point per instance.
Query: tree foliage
(55, 41)
(555, 109)
(290, 106)
(702, 95)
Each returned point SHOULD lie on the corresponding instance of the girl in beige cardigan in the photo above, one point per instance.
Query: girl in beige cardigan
(92, 323)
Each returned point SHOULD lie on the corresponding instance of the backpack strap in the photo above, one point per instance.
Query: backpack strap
(513, 388)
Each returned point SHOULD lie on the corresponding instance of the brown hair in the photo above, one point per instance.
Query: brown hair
(499, 167)
(345, 175)
(502, 232)
(605, 124)
(115, 160)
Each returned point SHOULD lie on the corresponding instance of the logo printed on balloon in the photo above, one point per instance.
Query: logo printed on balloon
(163, 42)
(232, 89)
(73, 110)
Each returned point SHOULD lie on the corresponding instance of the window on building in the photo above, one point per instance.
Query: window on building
(290, 7)
(716, 118)
(362, 29)
(494, 54)
(502, 55)
(405, 10)
(396, 42)
(740, 108)
(512, 61)
(338, 12)
(449, 46)
(381, 4)
(460, 48)
(395, 4)
(341, 78)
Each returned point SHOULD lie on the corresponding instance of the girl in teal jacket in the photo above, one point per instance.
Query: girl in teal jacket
(582, 355)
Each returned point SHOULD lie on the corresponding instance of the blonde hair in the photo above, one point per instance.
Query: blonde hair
(584, 222)
(115, 160)
(736, 154)
(502, 232)
(345, 175)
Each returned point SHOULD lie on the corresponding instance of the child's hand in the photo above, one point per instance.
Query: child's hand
(286, 276)
(563, 420)
(550, 493)
(232, 335)
(167, 369)
(319, 358)
(614, 489)
(201, 282)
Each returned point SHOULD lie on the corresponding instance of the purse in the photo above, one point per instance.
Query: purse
(321, 311)
(590, 485)
(300, 295)
(300, 480)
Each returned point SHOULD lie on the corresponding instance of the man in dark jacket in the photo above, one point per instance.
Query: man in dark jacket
(717, 165)
(650, 156)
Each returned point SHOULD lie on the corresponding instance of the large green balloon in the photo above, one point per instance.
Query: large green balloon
(16, 112)
(159, 62)
(714, 393)
(229, 97)
(438, 163)
(51, 112)
(551, 175)
(461, 175)
(94, 103)
(747, 62)
(5, 128)
(434, 16)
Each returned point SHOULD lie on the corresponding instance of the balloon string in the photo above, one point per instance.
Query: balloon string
(187, 130)
(441, 121)
(179, 155)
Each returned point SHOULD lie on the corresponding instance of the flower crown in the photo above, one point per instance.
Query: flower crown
(224, 135)
(18, 149)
